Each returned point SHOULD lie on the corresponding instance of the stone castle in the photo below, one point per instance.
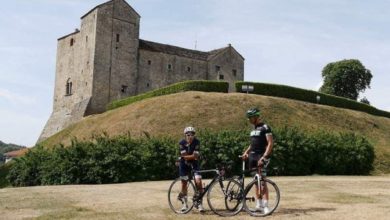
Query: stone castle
(105, 60)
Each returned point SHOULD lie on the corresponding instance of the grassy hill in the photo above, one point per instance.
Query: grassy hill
(168, 115)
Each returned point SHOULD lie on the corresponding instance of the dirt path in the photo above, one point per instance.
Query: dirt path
(314, 197)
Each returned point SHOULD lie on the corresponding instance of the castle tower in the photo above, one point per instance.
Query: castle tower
(95, 65)
(116, 54)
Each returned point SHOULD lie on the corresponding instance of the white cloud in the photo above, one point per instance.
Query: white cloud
(16, 98)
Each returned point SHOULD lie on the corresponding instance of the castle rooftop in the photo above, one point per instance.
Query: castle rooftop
(99, 6)
(180, 51)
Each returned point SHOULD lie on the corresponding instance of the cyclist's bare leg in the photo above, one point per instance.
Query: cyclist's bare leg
(184, 184)
(258, 191)
(263, 189)
(198, 182)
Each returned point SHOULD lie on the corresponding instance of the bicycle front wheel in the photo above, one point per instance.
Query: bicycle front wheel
(225, 197)
(256, 194)
(179, 201)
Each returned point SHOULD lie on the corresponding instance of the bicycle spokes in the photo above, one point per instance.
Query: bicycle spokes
(261, 199)
(225, 197)
(179, 201)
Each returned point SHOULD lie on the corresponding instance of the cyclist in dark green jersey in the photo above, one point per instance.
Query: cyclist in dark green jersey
(259, 150)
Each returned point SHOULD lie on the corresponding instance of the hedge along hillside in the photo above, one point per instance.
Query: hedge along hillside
(201, 85)
(310, 96)
(123, 158)
(4, 170)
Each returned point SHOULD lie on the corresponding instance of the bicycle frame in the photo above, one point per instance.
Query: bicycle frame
(257, 177)
(243, 171)
(206, 188)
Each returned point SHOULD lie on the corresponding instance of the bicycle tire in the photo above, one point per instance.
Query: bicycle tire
(231, 185)
(175, 203)
(250, 200)
(223, 191)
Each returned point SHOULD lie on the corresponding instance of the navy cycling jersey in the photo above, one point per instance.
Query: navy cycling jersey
(189, 149)
(259, 138)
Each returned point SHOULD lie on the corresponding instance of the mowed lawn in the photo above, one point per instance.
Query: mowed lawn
(309, 197)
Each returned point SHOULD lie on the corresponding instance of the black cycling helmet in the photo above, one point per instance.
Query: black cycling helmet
(252, 112)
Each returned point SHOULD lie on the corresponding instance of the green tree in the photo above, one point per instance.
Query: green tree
(365, 101)
(345, 78)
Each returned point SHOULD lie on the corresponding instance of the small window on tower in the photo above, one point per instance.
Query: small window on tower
(188, 69)
(149, 62)
(147, 84)
(169, 66)
(68, 87)
(221, 76)
(86, 38)
(234, 72)
(217, 69)
(71, 42)
(124, 89)
(117, 37)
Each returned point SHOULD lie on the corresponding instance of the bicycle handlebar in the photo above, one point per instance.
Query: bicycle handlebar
(265, 161)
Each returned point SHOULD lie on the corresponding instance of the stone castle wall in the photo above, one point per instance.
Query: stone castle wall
(228, 65)
(157, 70)
(105, 60)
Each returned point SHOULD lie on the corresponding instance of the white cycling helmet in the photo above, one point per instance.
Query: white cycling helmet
(189, 129)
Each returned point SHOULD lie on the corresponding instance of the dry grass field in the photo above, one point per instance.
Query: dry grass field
(312, 197)
(220, 111)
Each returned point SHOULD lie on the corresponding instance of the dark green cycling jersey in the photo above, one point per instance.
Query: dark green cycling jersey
(259, 138)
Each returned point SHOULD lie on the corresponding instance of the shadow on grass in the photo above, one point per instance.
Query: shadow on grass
(282, 211)
(304, 211)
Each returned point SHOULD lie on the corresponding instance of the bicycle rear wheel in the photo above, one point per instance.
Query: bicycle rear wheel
(225, 197)
(180, 203)
(230, 187)
(250, 197)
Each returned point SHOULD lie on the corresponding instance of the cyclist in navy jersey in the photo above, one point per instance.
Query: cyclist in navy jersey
(189, 152)
(259, 151)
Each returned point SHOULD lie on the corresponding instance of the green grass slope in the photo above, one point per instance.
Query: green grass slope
(168, 115)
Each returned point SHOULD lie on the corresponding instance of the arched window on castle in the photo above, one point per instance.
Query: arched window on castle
(68, 87)
(71, 42)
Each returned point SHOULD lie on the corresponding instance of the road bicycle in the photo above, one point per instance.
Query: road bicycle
(259, 185)
(224, 196)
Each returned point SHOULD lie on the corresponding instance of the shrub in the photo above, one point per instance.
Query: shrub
(123, 158)
(310, 96)
(4, 170)
(26, 170)
(205, 86)
(296, 153)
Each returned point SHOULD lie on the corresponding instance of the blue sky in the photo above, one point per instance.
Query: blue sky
(284, 42)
